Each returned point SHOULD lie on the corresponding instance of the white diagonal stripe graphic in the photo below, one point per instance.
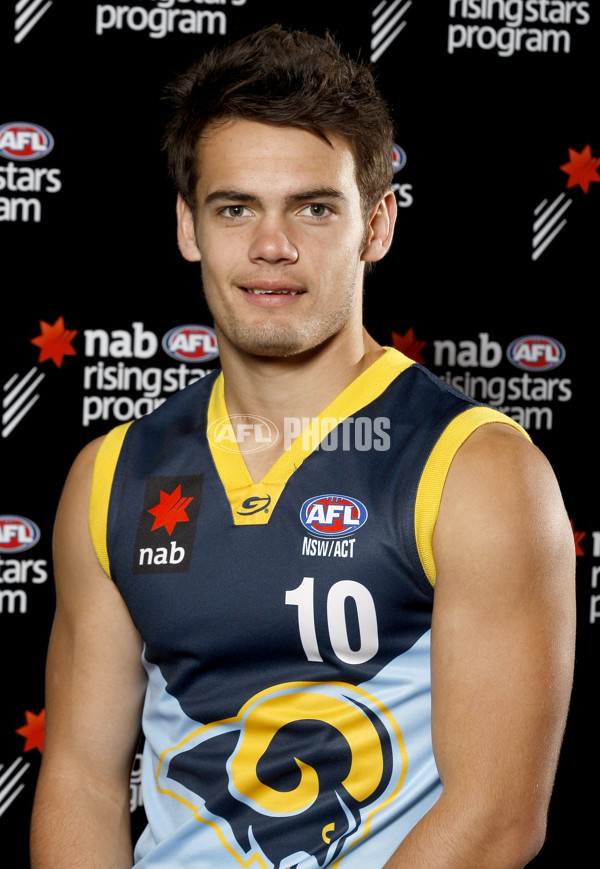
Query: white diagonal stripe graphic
(6, 791)
(30, 6)
(384, 46)
(380, 21)
(548, 211)
(27, 20)
(545, 227)
(16, 398)
(384, 28)
(14, 395)
(7, 430)
(540, 250)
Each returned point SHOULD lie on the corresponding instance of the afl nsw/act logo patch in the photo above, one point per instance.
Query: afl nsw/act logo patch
(333, 515)
(167, 525)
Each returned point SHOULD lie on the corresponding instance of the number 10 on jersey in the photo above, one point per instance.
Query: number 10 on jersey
(339, 593)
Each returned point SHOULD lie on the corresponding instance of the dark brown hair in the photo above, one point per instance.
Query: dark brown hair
(283, 78)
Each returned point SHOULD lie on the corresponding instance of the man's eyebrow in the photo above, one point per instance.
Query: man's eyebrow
(318, 193)
(235, 195)
(230, 196)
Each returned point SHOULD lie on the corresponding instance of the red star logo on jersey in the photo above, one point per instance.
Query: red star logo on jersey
(170, 510)
(33, 731)
(582, 168)
(409, 345)
(54, 341)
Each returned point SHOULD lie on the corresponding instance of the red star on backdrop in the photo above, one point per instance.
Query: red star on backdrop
(582, 168)
(33, 731)
(170, 510)
(54, 341)
(409, 345)
(578, 535)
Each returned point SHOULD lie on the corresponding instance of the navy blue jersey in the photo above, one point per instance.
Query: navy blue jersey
(286, 622)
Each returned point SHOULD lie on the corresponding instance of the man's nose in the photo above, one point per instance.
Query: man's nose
(272, 242)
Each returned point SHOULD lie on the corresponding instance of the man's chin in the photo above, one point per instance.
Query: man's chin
(270, 345)
(278, 341)
(274, 350)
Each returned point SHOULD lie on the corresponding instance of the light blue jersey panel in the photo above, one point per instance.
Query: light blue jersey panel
(183, 831)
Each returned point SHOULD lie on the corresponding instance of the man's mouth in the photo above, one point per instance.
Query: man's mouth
(259, 292)
(271, 294)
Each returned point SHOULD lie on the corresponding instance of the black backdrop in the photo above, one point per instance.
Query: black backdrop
(491, 281)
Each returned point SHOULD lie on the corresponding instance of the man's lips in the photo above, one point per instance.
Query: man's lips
(266, 287)
(263, 292)
(270, 294)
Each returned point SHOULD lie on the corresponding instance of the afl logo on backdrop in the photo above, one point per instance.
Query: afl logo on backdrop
(536, 353)
(191, 343)
(21, 141)
(17, 534)
(398, 158)
(333, 515)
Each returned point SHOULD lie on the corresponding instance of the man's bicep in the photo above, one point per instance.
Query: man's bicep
(503, 624)
(94, 674)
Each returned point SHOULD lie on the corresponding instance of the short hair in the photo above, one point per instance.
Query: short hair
(284, 78)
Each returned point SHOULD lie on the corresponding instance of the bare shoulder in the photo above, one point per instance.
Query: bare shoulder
(503, 531)
(89, 606)
(71, 539)
(498, 457)
(79, 478)
(501, 483)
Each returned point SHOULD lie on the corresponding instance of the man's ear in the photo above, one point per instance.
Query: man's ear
(380, 228)
(186, 233)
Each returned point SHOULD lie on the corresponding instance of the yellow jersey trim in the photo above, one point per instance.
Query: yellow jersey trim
(431, 485)
(239, 486)
(104, 470)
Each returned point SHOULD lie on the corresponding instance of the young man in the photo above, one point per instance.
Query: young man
(308, 699)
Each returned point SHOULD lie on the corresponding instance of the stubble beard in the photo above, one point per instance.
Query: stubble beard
(273, 338)
(276, 339)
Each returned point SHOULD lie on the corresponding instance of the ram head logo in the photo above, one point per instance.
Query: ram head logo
(296, 775)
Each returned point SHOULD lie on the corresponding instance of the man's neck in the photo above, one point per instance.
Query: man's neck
(291, 388)
(303, 385)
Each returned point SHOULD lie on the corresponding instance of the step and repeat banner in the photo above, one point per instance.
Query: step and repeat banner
(492, 280)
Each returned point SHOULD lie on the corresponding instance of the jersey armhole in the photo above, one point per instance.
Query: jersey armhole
(102, 478)
(431, 484)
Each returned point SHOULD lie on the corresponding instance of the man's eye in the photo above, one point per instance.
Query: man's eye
(234, 211)
(317, 209)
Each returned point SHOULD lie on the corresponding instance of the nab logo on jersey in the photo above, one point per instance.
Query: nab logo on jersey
(20, 141)
(167, 526)
(333, 515)
(191, 343)
(536, 353)
(17, 534)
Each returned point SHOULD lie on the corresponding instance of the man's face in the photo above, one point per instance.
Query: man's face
(279, 231)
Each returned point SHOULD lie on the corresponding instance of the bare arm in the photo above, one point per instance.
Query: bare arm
(94, 687)
(502, 657)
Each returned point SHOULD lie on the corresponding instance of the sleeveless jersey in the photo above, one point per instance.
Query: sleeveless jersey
(285, 623)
